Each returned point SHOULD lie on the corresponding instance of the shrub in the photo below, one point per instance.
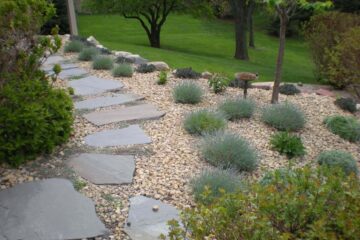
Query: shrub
(103, 63)
(289, 89)
(60, 19)
(34, 119)
(218, 83)
(123, 70)
(210, 185)
(73, 46)
(287, 144)
(340, 159)
(347, 104)
(236, 83)
(346, 127)
(88, 54)
(187, 92)
(284, 117)
(146, 68)
(187, 73)
(203, 122)
(162, 78)
(228, 150)
(305, 204)
(235, 109)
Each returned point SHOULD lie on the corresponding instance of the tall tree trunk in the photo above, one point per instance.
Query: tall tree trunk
(154, 36)
(251, 24)
(241, 50)
(280, 58)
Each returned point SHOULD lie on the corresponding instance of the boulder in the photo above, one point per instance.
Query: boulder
(160, 66)
(206, 75)
(93, 40)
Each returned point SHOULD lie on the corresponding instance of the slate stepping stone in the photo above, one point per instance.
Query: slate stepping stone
(119, 137)
(72, 73)
(54, 59)
(106, 101)
(64, 66)
(145, 224)
(104, 168)
(139, 112)
(47, 209)
(93, 85)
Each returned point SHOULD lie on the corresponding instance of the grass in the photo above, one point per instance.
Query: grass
(201, 44)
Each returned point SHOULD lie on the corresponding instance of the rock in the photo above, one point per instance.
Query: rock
(155, 208)
(324, 92)
(54, 59)
(94, 85)
(106, 101)
(47, 209)
(135, 59)
(122, 53)
(71, 73)
(93, 40)
(160, 66)
(64, 66)
(206, 75)
(358, 107)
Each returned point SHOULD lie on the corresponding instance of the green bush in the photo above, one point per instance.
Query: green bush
(287, 144)
(203, 122)
(188, 93)
(162, 78)
(123, 70)
(305, 204)
(34, 119)
(228, 150)
(284, 117)
(211, 185)
(340, 159)
(187, 73)
(218, 83)
(103, 63)
(73, 46)
(235, 109)
(347, 104)
(88, 54)
(146, 68)
(346, 127)
(289, 89)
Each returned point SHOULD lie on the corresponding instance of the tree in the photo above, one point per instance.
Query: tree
(284, 10)
(250, 22)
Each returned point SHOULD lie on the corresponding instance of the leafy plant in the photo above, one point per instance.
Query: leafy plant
(102, 63)
(162, 78)
(347, 104)
(284, 117)
(187, 73)
(204, 121)
(146, 68)
(227, 150)
(346, 127)
(123, 70)
(340, 159)
(218, 83)
(88, 54)
(188, 93)
(79, 184)
(235, 109)
(73, 46)
(287, 144)
(289, 89)
(210, 185)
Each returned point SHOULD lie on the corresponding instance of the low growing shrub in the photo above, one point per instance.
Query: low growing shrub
(339, 159)
(102, 63)
(218, 83)
(287, 144)
(305, 204)
(73, 46)
(123, 70)
(284, 117)
(162, 78)
(88, 54)
(187, 73)
(188, 93)
(235, 109)
(346, 127)
(204, 121)
(228, 150)
(145, 68)
(211, 185)
(289, 89)
(347, 104)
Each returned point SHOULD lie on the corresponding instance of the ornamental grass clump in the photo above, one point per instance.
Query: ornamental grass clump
(123, 70)
(203, 122)
(227, 150)
(339, 159)
(284, 117)
(74, 46)
(187, 93)
(88, 54)
(235, 109)
(289, 89)
(347, 128)
(102, 63)
(347, 104)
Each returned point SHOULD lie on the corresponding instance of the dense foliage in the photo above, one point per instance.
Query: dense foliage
(123, 70)
(88, 54)
(187, 73)
(102, 62)
(287, 144)
(347, 104)
(289, 89)
(304, 204)
(188, 93)
(146, 68)
(339, 159)
(163, 78)
(60, 19)
(346, 127)
(204, 122)
(73, 46)
(227, 150)
(218, 83)
(239, 108)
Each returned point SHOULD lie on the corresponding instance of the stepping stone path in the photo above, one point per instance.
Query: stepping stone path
(64, 66)
(104, 168)
(72, 73)
(148, 218)
(106, 101)
(47, 209)
(139, 112)
(93, 85)
(119, 137)
(52, 60)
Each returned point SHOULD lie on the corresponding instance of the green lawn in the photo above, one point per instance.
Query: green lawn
(201, 44)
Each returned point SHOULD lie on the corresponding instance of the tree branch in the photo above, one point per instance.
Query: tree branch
(166, 12)
(141, 21)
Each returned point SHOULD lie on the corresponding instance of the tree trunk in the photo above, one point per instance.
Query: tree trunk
(251, 24)
(154, 38)
(241, 50)
(280, 58)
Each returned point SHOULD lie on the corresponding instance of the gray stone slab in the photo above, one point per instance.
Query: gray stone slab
(64, 66)
(72, 73)
(47, 209)
(93, 85)
(104, 168)
(54, 59)
(118, 137)
(106, 101)
(145, 224)
(138, 112)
